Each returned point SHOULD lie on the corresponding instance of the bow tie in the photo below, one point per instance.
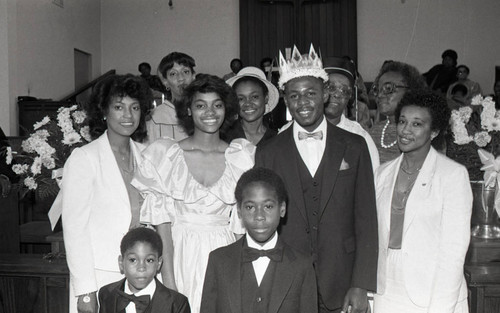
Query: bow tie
(141, 302)
(251, 254)
(316, 135)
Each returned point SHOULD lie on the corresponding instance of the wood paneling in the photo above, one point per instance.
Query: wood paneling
(269, 26)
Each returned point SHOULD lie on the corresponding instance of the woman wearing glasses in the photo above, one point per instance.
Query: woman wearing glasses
(392, 82)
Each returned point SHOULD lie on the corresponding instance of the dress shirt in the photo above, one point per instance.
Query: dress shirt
(149, 290)
(260, 265)
(311, 150)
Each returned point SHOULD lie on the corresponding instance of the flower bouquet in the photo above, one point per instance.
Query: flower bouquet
(475, 143)
(42, 155)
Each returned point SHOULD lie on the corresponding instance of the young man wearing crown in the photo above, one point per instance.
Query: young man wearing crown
(328, 175)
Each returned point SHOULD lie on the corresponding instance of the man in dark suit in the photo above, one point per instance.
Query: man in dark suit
(328, 174)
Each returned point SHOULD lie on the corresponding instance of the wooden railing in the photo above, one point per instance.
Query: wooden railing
(72, 96)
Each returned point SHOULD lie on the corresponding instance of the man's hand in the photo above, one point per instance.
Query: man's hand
(355, 301)
(90, 307)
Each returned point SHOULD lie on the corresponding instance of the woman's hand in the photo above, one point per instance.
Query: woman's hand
(87, 307)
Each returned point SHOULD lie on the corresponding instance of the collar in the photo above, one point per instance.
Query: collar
(271, 244)
(148, 290)
(321, 127)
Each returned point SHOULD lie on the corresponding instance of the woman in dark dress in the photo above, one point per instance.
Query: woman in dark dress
(257, 97)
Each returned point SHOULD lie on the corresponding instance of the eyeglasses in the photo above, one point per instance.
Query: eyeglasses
(342, 90)
(387, 89)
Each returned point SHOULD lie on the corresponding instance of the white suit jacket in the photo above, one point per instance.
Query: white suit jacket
(96, 211)
(436, 231)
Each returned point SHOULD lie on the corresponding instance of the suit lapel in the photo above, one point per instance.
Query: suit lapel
(420, 188)
(232, 276)
(290, 171)
(283, 278)
(111, 172)
(330, 163)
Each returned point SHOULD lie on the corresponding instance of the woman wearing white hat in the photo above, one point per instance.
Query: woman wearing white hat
(257, 97)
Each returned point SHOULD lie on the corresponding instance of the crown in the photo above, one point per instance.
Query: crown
(301, 65)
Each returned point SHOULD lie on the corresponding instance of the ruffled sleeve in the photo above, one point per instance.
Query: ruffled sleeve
(240, 157)
(150, 178)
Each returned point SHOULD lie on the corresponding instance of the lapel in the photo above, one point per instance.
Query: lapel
(330, 162)
(283, 278)
(386, 190)
(290, 171)
(160, 300)
(110, 173)
(420, 189)
(113, 299)
(232, 274)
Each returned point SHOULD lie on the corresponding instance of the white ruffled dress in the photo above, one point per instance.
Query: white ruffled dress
(203, 218)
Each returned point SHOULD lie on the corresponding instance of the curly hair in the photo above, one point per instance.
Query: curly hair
(108, 90)
(175, 57)
(264, 176)
(434, 103)
(144, 235)
(205, 83)
(411, 76)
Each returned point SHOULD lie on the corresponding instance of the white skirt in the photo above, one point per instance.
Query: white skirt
(396, 299)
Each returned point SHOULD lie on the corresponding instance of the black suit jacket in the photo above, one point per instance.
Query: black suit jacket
(164, 300)
(347, 244)
(293, 290)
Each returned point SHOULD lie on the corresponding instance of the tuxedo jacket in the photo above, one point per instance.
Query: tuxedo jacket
(164, 300)
(96, 211)
(293, 289)
(346, 252)
(436, 231)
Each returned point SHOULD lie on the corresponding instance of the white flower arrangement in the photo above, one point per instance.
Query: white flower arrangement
(47, 148)
(478, 125)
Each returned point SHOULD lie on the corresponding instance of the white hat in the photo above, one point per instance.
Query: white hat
(251, 71)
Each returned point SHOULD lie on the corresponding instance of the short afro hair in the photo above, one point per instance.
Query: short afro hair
(143, 235)
(411, 76)
(434, 103)
(205, 83)
(263, 176)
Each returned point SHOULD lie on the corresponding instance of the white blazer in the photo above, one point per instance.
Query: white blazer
(436, 231)
(96, 211)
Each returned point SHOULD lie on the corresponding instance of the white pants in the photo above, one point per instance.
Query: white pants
(396, 299)
(103, 278)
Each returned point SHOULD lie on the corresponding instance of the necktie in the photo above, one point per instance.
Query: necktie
(251, 254)
(141, 302)
(316, 135)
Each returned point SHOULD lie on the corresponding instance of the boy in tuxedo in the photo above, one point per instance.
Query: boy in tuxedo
(259, 272)
(140, 291)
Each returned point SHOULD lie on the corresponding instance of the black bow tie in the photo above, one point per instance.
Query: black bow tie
(316, 135)
(141, 302)
(251, 254)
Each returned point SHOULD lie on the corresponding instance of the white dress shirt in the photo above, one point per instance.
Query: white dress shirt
(311, 150)
(149, 290)
(260, 265)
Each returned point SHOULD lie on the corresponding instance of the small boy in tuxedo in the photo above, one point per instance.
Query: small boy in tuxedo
(140, 291)
(259, 272)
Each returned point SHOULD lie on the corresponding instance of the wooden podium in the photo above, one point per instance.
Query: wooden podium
(482, 272)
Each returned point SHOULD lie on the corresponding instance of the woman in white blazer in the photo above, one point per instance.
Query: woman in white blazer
(98, 203)
(424, 204)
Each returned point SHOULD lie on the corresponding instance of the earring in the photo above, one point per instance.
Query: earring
(104, 118)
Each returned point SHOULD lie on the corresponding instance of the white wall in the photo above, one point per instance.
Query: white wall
(418, 31)
(146, 31)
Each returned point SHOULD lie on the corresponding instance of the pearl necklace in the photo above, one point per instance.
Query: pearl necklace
(383, 135)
